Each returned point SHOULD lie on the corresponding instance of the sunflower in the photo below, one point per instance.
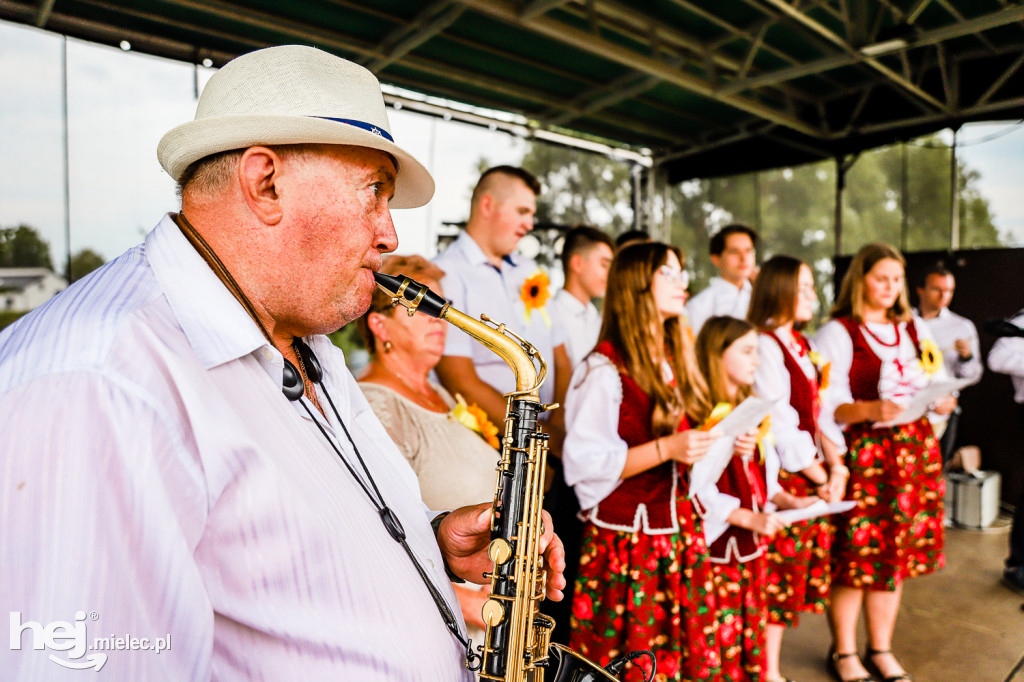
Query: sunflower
(764, 436)
(475, 419)
(931, 357)
(535, 293)
(824, 369)
(717, 414)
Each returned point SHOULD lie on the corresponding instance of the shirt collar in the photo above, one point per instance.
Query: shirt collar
(475, 255)
(574, 304)
(719, 282)
(215, 323)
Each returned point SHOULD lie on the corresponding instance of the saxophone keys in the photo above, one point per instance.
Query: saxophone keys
(499, 551)
(492, 612)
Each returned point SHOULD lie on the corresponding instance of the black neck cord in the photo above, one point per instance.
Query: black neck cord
(387, 517)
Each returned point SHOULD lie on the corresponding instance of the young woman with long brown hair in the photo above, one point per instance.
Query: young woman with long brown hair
(881, 356)
(811, 461)
(644, 581)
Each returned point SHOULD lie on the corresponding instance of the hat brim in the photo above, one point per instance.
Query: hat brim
(189, 142)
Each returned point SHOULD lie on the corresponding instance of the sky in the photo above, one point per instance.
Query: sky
(121, 103)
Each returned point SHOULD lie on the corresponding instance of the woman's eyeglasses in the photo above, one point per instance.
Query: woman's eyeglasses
(682, 276)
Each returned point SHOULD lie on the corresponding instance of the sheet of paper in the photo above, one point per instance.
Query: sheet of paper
(917, 406)
(744, 417)
(819, 508)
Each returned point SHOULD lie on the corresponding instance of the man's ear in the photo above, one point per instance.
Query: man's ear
(259, 170)
(575, 263)
(486, 205)
(716, 261)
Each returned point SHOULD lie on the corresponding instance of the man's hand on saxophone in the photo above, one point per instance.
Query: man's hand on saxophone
(464, 535)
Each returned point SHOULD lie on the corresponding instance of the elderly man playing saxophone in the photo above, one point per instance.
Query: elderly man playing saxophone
(186, 455)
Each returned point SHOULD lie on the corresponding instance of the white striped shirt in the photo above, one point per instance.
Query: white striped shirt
(152, 473)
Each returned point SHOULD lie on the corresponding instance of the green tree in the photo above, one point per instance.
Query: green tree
(23, 247)
(581, 187)
(82, 263)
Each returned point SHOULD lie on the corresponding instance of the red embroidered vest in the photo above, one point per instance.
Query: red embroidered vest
(866, 367)
(744, 480)
(645, 502)
(803, 392)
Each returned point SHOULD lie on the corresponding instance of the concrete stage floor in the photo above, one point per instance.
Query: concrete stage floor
(958, 625)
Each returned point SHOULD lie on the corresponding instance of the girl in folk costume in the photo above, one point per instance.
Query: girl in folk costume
(644, 579)
(737, 522)
(792, 374)
(880, 357)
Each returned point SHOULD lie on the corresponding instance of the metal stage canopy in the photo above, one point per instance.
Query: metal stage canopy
(704, 87)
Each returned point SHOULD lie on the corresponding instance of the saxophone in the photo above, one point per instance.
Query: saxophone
(517, 642)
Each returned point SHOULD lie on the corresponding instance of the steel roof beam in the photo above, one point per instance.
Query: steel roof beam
(427, 24)
(811, 24)
(1002, 17)
(535, 8)
(999, 82)
(44, 13)
(594, 44)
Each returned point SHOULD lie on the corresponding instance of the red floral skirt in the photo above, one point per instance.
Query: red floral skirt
(655, 592)
(742, 618)
(896, 531)
(797, 562)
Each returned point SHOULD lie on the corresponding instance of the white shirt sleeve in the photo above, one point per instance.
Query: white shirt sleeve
(835, 346)
(717, 507)
(973, 368)
(114, 490)
(1007, 355)
(796, 448)
(772, 465)
(594, 454)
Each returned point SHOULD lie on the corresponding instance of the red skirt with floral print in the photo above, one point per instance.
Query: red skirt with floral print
(742, 618)
(798, 562)
(896, 531)
(636, 591)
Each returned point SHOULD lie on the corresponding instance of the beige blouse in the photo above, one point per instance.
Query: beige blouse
(454, 465)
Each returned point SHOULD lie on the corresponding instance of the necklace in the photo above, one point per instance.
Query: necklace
(432, 402)
(895, 343)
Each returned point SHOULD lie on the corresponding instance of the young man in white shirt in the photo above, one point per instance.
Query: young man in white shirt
(957, 338)
(485, 275)
(586, 256)
(733, 250)
(1007, 357)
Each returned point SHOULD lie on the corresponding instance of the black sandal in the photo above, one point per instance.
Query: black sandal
(902, 677)
(833, 667)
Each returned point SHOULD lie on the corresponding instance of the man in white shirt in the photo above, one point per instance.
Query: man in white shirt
(485, 275)
(186, 458)
(1007, 357)
(733, 250)
(957, 338)
(586, 256)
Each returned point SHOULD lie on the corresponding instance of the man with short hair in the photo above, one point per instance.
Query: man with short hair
(586, 256)
(957, 338)
(185, 454)
(733, 250)
(485, 275)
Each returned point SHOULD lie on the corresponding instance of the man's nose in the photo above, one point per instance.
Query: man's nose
(387, 237)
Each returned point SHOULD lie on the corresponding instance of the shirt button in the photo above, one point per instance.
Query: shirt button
(431, 562)
(268, 354)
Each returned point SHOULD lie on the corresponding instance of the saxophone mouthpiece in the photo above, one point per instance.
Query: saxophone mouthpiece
(411, 294)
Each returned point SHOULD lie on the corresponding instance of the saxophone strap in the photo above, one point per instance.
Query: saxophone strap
(387, 516)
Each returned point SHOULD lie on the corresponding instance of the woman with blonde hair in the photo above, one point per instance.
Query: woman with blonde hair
(792, 374)
(445, 440)
(644, 581)
(880, 357)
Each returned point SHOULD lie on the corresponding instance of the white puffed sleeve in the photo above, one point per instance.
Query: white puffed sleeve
(714, 507)
(594, 454)
(796, 448)
(835, 346)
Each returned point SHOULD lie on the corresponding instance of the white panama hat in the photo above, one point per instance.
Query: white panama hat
(292, 94)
